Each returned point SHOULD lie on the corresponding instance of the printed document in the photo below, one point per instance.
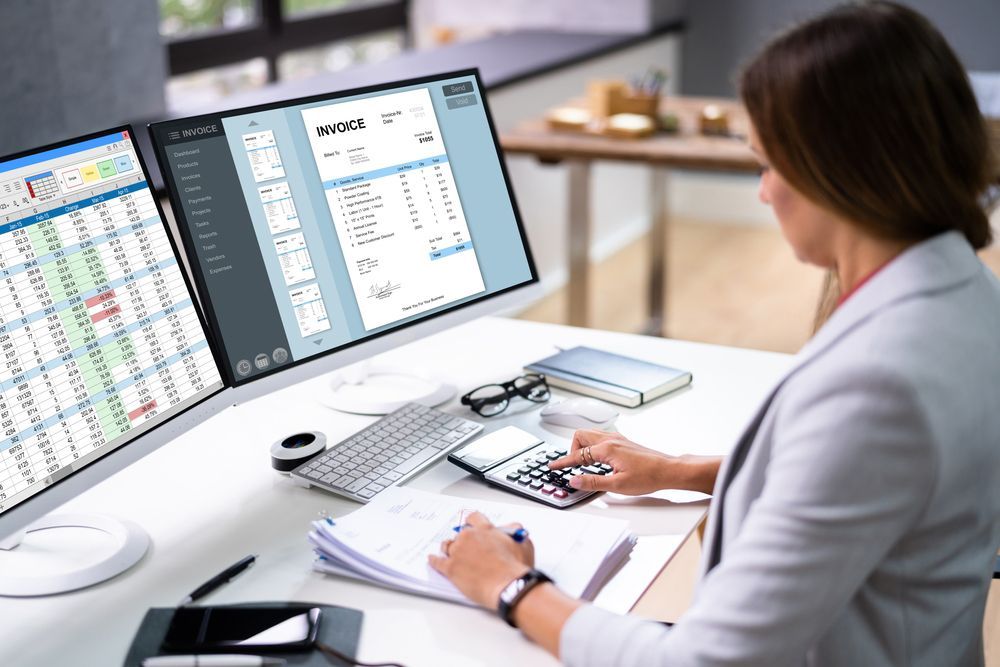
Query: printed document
(388, 540)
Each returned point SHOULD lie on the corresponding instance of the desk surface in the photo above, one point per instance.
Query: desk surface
(210, 497)
(686, 148)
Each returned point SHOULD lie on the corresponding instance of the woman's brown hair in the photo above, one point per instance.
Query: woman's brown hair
(867, 111)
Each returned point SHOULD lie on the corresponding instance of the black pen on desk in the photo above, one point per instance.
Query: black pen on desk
(223, 577)
(516, 534)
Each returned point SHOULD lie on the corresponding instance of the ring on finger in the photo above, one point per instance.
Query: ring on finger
(446, 547)
(588, 456)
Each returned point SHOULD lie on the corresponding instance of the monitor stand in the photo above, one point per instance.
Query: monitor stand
(369, 388)
(50, 564)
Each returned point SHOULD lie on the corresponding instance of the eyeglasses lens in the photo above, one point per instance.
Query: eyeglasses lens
(532, 387)
(489, 400)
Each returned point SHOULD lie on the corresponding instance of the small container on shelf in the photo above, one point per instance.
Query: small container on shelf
(571, 119)
(629, 126)
(603, 95)
(713, 120)
(633, 102)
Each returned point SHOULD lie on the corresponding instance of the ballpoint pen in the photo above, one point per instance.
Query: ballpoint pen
(223, 577)
(516, 534)
(216, 660)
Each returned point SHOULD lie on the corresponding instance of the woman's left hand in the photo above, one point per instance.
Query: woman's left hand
(482, 559)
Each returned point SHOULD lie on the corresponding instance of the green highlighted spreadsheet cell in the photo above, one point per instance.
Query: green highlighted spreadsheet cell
(98, 333)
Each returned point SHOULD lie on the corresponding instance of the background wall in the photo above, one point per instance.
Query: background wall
(721, 34)
(76, 66)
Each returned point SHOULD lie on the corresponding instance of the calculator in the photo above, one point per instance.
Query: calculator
(518, 462)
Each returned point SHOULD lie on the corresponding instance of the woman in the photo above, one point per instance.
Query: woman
(856, 520)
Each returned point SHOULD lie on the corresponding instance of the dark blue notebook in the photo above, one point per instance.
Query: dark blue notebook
(610, 377)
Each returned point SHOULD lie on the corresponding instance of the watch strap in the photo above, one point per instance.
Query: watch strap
(526, 582)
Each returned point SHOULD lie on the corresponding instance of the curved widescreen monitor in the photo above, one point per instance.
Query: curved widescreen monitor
(317, 224)
(100, 336)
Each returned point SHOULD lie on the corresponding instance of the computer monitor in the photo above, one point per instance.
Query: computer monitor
(325, 229)
(104, 351)
(318, 231)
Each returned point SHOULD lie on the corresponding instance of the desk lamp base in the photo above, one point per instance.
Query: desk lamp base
(131, 543)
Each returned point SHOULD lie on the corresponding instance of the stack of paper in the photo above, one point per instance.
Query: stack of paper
(388, 540)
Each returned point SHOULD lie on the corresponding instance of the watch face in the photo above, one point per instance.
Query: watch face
(510, 592)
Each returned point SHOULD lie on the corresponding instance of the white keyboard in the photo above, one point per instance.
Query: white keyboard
(388, 452)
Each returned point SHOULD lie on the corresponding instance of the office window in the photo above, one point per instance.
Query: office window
(297, 8)
(181, 18)
(340, 55)
(207, 86)
(213, 46)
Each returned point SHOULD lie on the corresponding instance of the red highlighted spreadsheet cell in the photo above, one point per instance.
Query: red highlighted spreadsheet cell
(100, 298)
(105, 314)
(141, 410)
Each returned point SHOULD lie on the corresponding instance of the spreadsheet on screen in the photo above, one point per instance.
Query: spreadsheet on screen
(99, 336)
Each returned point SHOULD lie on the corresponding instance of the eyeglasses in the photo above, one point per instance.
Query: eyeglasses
(492, 399)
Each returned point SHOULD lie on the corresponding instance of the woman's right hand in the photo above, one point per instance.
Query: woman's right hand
(637, 470)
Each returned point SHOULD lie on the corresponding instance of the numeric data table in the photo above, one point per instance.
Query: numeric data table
(98, 332)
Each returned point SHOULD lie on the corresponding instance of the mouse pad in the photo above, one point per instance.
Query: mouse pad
(339, 627)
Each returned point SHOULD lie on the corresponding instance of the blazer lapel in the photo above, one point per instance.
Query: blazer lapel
(936, 264)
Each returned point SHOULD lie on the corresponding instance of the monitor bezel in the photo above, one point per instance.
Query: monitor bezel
(48, 498)
(349, 352)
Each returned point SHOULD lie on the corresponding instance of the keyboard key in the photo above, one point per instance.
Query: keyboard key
(513, 476)
(525, 480)
(592, 470)
(536, 485)
(524, 470)
(392, 476)
(536, 474)
(548, 489)
(417, 459)
(357, 485)
(374, 487)
(552, 456)
(342, 481)
(366, 493)
(560, 493)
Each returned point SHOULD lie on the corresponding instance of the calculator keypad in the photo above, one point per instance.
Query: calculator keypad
(529, 475)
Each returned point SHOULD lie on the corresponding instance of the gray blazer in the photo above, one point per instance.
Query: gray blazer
(857, 519)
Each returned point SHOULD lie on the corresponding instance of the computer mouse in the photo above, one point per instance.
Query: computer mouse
(579, 413)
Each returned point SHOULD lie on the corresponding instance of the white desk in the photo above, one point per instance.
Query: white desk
(210, 497)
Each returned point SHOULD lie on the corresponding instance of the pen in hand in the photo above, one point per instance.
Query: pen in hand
(516, 534)
(223, 577)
